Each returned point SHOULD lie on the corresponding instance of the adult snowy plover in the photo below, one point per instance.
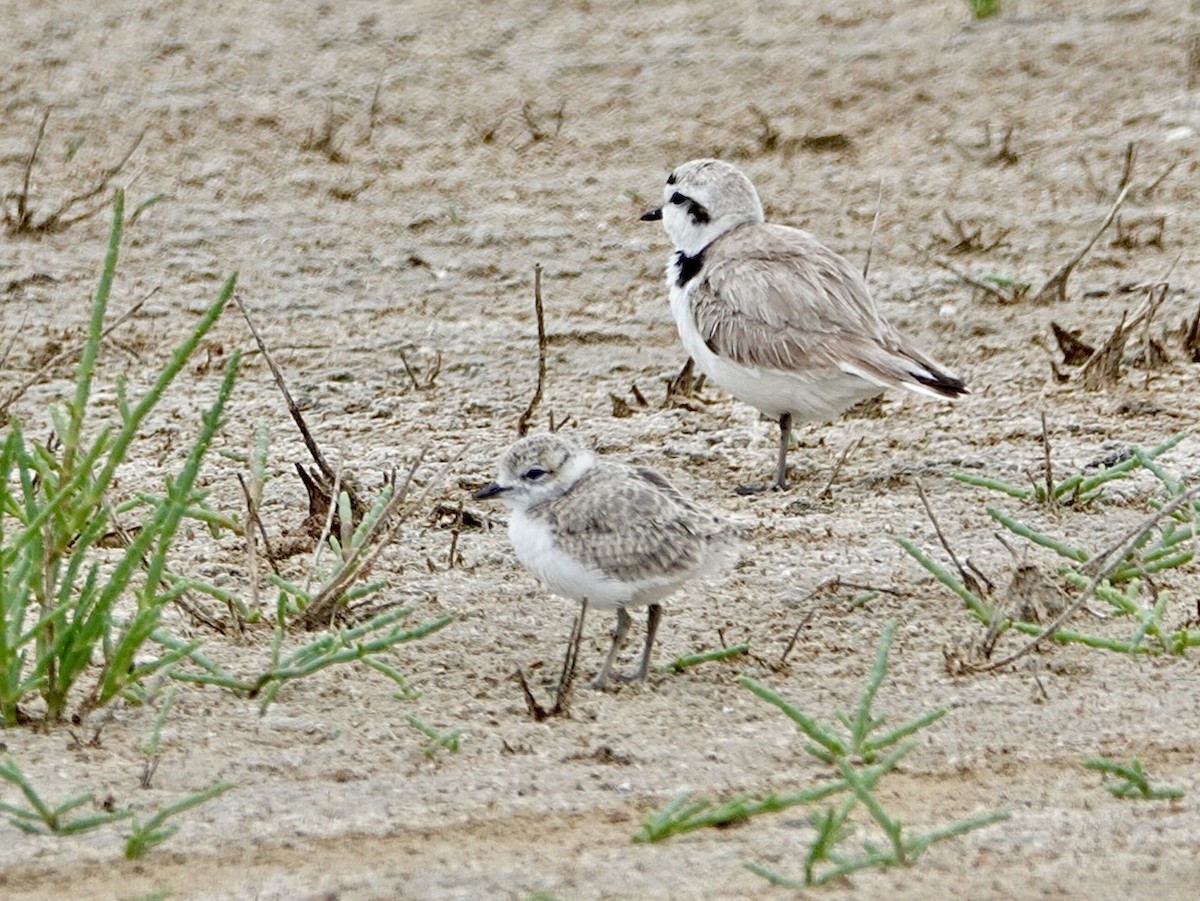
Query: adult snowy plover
(610, 534)
(774, 316)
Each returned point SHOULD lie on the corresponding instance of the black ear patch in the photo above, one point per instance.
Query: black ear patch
(671, 179)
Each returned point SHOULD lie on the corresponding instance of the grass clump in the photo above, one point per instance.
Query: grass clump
(1131, 781)
(44, 818)
(156, 830)
(861, 752)
(365, 643)
(57, 607)
(1126, 577)
(984, 9)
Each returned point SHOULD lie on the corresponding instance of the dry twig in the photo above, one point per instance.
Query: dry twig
(527, 416)
(1126, 547)
(566, 679)
(330, 477)
(1055, 288)
(826, 493)
(874, 230)
(22, 222)
(967, 578)
(68, 355)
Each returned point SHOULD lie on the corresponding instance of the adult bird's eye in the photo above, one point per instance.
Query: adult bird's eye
(533, 474)
(678, 198)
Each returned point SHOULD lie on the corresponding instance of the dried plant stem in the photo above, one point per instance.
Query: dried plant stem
(294, 410)
(566, 679)
(971, 280)
(527, 416)
(455, 531)
(874, 230)
(362, 557)
(826, 493)
(69, 355)
(23, 215)
(1046, 462)
(1055, 288)
(57, 220)
(1116, 556)
(967, 579)
(251, 549)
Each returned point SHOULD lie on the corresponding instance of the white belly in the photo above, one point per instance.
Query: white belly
(565, 576)
(811, 395)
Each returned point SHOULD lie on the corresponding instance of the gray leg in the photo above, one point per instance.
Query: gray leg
(618, 639)
(652, 620)
(785, 436)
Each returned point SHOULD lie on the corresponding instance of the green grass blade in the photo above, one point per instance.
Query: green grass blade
(992, 485)
(686, 662)
(980, 610)
(808, 726)
(1024, 531)
(91, 347)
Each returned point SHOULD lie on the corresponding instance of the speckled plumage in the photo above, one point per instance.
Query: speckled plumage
(615, 535)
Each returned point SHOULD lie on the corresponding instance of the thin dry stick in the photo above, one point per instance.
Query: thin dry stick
(1145, 192)
(796, 635)
(255, 521)
(56, 222)
(1049, 468)
(1148, 307)
(874, 229)
(971, 280)
(827, 492)
(829, 584)
(1157, 294)
(536, 710)
(566, 681)
(13, 340)
(412, 376)
(23, 215)
(1056, 288)
(373, 110)
(309, 441)
(1127, 166)
(1126, 548)
(69, 354)
(527, 416)
(251, 547)
(454, 533)
(967, 578)
(326, 529)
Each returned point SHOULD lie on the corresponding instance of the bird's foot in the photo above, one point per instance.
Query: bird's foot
(751, 490)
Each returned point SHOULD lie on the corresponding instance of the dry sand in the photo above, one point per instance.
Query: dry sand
(506, 134)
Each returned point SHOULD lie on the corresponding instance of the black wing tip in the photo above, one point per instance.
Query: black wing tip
(943, 383)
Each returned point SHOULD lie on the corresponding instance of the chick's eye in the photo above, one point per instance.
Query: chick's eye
(533, 474)
(678, 198)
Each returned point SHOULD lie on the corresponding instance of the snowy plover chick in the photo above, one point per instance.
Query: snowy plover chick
(774, 316)
(610, 534)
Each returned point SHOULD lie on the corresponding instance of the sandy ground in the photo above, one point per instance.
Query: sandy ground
(508, 134)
